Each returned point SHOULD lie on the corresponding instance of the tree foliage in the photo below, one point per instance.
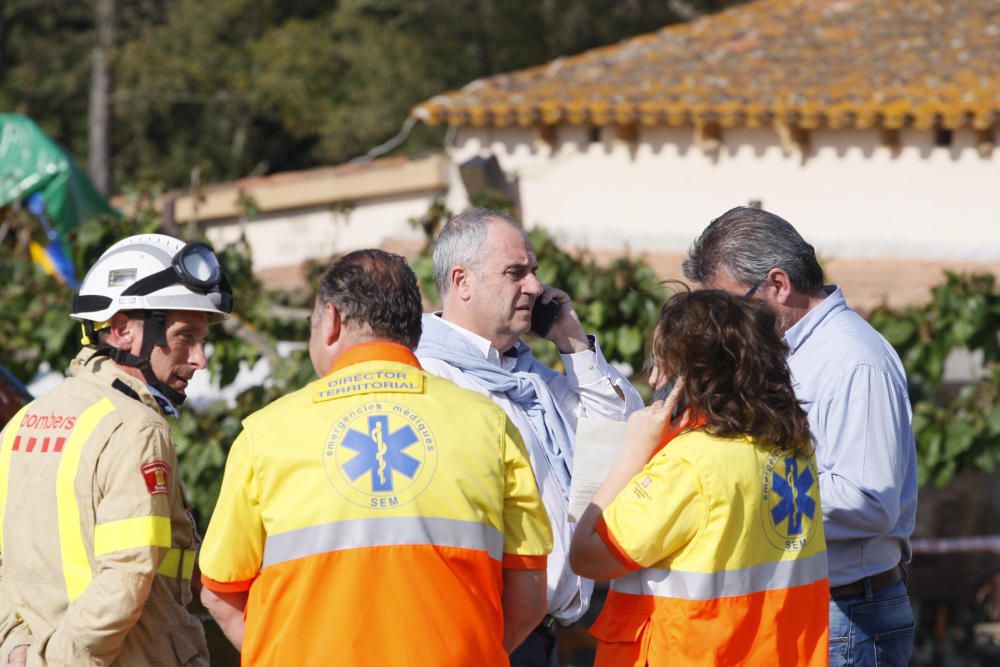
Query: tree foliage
(955, 431)
(211, 91)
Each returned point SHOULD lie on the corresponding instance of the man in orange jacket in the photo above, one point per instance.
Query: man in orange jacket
(381, 515)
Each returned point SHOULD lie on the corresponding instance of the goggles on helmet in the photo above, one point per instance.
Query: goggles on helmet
(196, 267)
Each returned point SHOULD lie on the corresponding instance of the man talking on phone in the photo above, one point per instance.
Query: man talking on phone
(484, 269)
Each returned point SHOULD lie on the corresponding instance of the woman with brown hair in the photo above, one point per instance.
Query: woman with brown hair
(709, 523)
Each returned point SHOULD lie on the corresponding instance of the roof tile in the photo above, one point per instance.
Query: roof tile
(814, 63)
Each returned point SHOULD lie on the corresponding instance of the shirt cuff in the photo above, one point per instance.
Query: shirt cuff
(601, 528)
(588, 366)
(519, 562)
(227, 586)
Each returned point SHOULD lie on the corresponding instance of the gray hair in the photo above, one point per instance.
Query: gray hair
(749, 242)
(461, 241)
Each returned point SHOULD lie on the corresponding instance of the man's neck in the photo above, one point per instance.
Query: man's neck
(798, 307)
(361, 347)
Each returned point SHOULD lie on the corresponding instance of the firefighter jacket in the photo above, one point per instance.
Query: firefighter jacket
(370, 515)
(97, 539)
(725, 541)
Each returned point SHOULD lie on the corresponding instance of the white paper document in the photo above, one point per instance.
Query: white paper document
(598, 445)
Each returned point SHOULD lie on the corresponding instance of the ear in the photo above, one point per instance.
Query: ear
(462, 282)
(656, 377)
(783, 289)
(331, 323)
(121, 333)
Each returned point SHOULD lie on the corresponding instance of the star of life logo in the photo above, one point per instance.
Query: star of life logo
(789, 507)
(380, 455)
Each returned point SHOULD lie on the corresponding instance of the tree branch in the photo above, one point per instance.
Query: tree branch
(683, 9)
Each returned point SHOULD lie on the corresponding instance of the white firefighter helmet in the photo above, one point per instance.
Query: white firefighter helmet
(153, 272)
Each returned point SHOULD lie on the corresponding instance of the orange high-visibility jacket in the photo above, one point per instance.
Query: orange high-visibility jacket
(725, 540)
(370, 515)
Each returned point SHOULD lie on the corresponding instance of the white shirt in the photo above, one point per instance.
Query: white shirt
(587, 389)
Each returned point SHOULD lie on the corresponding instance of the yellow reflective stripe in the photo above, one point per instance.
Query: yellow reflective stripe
(76, 565)
(13, 426)
(142, 531)
(178, 563)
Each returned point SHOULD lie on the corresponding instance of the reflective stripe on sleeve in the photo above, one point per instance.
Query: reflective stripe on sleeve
(725, 583)
(76, 564)
(6, 447)
(142, 531)
(178, 563)
(383, 531)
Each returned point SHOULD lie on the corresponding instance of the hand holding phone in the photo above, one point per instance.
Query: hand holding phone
(664, 391)
(543, 315)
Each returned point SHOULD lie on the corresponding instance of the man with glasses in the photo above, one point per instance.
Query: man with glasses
(853, 387)
(98, 542)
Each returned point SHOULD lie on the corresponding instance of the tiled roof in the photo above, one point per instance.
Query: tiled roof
(806, 63)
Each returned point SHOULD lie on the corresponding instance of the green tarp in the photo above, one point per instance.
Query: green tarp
(31, 162)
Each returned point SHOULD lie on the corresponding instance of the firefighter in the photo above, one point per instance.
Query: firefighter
(98, 541)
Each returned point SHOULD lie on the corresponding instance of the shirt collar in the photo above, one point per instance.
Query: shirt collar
(801, 330)
(165, 403)
(108, 371)
(375, 351)
(484, 346)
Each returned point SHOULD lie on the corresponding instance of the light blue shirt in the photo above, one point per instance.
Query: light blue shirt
(169, 409)
(853, 387)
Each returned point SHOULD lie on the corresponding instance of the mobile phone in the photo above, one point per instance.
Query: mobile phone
(542, 317)
(664, 391)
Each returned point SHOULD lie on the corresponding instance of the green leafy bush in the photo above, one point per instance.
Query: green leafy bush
(955, 431)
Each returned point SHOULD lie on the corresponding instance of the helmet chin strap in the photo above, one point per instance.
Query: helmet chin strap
(154, 333)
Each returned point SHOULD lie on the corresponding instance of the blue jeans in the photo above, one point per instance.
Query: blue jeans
(538, 649)
(874, 629)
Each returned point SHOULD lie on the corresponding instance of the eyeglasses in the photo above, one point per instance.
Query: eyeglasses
(757, 286)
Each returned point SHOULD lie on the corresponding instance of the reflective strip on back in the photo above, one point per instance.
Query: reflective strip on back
(383, 531)
(76, 564)
(13, 426)
(725, 583)
(141, 531)
(178, 563)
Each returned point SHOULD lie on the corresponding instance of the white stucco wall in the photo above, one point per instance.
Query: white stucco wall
(287, 238)
(851, 197)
